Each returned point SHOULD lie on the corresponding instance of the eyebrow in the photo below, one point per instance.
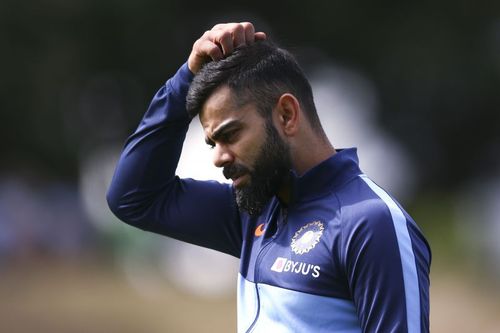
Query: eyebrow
(221, 129)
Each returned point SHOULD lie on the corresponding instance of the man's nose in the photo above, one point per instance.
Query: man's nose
(222, 156)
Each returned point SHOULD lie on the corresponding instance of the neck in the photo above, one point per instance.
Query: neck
(312, 153)
(304, 159)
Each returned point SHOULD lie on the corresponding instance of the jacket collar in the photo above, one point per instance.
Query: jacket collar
(325, 177)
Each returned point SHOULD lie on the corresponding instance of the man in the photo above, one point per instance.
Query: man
(322, 248)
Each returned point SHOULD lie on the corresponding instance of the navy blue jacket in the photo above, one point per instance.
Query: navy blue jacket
(342, 256)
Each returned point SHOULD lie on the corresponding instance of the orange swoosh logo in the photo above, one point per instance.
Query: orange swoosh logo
(259, 231)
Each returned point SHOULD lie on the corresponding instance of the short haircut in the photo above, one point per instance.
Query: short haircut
(258, 73)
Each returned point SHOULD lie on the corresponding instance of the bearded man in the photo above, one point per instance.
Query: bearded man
(322, 248)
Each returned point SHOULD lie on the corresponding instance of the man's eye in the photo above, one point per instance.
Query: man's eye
(210, 143)
(228, 137)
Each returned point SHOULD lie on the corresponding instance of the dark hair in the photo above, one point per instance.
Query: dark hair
(259, 73)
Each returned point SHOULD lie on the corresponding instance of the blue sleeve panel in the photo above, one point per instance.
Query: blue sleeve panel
(387, 262)
(146, 193)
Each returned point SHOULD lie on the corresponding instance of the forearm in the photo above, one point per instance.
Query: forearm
(150, 156)
(146, 193)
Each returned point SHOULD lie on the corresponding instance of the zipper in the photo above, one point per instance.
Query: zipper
(262, 252)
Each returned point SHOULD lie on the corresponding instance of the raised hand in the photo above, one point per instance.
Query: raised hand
(220, 41)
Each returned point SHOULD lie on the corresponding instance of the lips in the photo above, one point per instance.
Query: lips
(236, 173)
(239, 181)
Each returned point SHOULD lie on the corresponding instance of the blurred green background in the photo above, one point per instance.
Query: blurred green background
(414, 86)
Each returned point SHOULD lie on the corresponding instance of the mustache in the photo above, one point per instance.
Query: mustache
(234, 171)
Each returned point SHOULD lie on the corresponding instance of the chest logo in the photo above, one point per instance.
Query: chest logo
(259, 231)
(306, 238)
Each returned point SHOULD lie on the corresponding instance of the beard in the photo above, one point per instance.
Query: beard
(271, 170)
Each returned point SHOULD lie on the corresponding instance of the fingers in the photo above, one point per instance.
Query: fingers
(239, 36)
(249, 32)
(205, 48)
(224, 39)
(260, 36)
(220, 41)
(232, 35)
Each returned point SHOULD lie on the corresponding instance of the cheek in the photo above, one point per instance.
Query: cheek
(248, 150)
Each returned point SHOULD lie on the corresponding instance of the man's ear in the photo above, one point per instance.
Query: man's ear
(288, 113)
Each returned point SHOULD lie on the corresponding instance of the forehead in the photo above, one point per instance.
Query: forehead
(221, 107)
(219, 103)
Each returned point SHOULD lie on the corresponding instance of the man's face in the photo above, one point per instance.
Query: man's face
(248, 147)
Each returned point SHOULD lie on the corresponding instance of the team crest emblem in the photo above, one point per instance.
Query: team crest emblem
(306, 238)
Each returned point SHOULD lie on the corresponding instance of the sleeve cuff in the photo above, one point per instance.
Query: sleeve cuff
(181, 81)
